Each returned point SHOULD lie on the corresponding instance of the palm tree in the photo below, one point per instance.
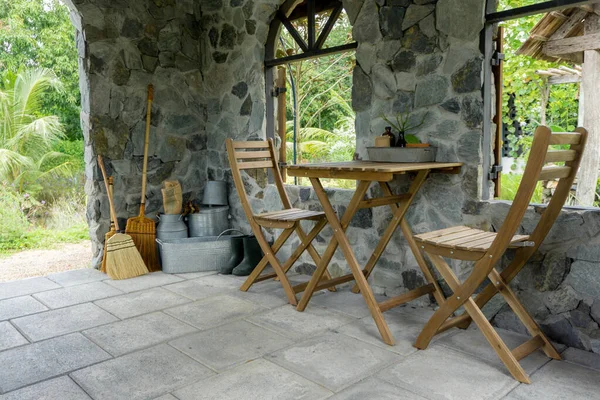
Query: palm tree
(27, 137)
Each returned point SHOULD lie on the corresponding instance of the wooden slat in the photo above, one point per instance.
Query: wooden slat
(255, 164)
(528, 347)
(383, 201)
(565, 138)
(466, 242)
(454, 236)
(406, 297)
(249, 155)
(441, 232)
(253, 144)
(560, 155)
(550, 173)
(324, 284)
(370, 166)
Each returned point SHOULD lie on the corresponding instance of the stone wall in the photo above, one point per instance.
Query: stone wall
(205, 59)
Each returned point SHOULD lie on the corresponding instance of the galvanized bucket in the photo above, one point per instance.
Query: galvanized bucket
(215, 193)
(210, 221)
(171, 226)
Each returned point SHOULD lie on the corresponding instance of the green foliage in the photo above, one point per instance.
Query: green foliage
(28, 224)
(520, 79)
(510, 185)
(27, 137)
(39, 34)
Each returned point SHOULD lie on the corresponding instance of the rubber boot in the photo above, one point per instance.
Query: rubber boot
(252, 256)
(237, 255)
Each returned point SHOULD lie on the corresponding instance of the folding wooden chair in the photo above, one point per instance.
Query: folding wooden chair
(261, 155)
(486, 249)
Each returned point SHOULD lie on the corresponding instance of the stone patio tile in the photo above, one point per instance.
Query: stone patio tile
(77, 277)
(581, 357)
(373, 388)
(166, 397)
(559, 380)
(196, 290)
(20, 306)
(138, 303)
(10, 337)
(137, 333)
(288, 322)
(344, 301)
(405, 328)
(65, 320)
(25, 286)
(268, 299)
(39, 361)
(443, 373)
(333, 360)
(473, 342)
(143, 282)
(72, 295)
(209, 313)
(62, 388)
(256, 380)
(144, 374)
(222, 281)
(195, 275)
(230, 344)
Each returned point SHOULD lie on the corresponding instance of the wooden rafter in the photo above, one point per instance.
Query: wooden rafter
(567, 27)
(335, 15)
(572, 45)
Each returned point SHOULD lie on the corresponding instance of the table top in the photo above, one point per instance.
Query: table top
(375, 166)
(354, 169)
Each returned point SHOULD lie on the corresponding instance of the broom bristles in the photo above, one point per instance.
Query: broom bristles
(123, 261)
(107, 236)
(143, 232)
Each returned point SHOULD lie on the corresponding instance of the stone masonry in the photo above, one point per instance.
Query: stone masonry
(205, 59)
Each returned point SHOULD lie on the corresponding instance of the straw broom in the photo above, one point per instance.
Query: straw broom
(112, 230)
(123, 260)
(142, 229)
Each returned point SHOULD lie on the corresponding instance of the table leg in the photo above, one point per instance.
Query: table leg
(361, 190)
(346, 248)
(414, 247)
(398, 213)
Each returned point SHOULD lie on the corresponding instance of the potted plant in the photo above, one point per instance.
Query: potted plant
(402, 124)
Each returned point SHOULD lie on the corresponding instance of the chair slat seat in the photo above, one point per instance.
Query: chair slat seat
(289, 215)
(464, 238)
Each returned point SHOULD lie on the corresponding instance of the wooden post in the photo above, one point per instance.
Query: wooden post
(281, 118)
(590, 80)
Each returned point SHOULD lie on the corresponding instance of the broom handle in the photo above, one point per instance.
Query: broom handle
(112, 207)
(146, 142)
(110, 195)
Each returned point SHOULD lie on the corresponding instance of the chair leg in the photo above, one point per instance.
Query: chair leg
(271, 259)
(481, 321)
(520, 311)
(264, 262)
(312, 251)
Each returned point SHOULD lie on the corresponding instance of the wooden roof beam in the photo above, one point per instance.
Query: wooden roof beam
(568, 26)
(572, 45)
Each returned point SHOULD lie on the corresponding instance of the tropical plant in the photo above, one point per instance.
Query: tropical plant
(27, 137)
(40, 34)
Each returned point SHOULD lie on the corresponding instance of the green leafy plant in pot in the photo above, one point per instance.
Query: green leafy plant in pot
(402, 124)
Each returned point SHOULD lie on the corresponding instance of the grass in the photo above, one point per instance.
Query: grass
(510, 185)
(41, 238)
(27, 224)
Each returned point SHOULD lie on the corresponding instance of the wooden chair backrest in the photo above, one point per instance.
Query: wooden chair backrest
(535, 171)
(254, 155)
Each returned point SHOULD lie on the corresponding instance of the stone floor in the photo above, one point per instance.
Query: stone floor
(77, 335)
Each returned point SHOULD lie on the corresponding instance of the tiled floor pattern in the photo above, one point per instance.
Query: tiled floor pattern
(77, 335)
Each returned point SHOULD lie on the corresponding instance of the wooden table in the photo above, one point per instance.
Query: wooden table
(365, 173)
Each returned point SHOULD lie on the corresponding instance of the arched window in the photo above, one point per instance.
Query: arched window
(300, 33)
